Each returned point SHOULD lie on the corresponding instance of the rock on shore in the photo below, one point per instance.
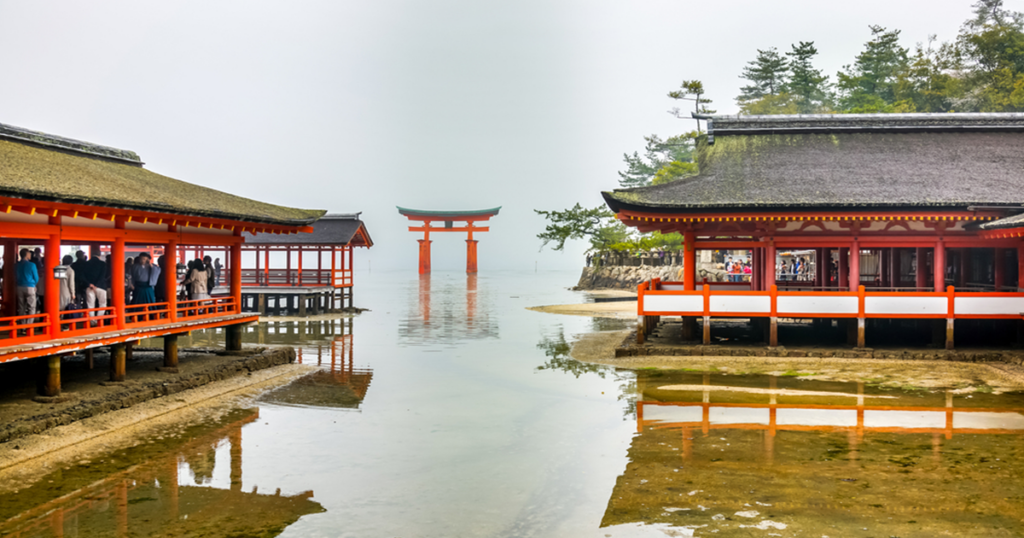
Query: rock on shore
(628, 277)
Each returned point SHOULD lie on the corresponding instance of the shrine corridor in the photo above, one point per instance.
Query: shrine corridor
(449, 409)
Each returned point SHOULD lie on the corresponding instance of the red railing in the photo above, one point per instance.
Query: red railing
(340, 278)
(87, 321)
(16, 330)
(207, 308)
(150, 314)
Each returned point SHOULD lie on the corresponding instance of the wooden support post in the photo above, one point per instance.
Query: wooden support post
(641, 325)
(171, 279)
(116, 263)
(1020, 267)
(49, 376)
(171, 351)
(921, 273)
(949, 333)
(117, 363)
(939, 266)
(894, 268)
(773, 320)
(90, 362)
(298, 276)
(964, 266)
(235, 261)
(689, 279)
(707, 330)
(844, 268)
(424, 256)
(471, 255)
(999, 268)
(854, 279)
(233, 337)
(129, 351)
(883, 267)
(10, 290)
(861, 321)
(769, 264)
(950, 311)
(51, 286)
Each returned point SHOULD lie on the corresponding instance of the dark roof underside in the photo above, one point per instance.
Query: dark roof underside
(844, 169)
(326, 231)
(1016, 221)
(37, 173)
(429, 213)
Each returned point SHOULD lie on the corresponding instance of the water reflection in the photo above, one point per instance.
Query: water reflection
(145, 491)
(760, 452)
(450, 314)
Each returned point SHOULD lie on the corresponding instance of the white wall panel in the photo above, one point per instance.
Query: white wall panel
(740, 303)
(673, 303)
(989, 305)
(905, 305)
(816, 305)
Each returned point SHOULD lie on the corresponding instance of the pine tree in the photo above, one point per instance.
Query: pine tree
(808, 86)
(767, 74)
(869, 85)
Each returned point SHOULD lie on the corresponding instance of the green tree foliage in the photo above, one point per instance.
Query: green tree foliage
(767, 75)
(691, 90)
(991, 49)
(663, 161)
(809, 88)
(595, 224)
(869, 84)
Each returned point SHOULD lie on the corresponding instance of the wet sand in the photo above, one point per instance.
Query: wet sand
(612, 309)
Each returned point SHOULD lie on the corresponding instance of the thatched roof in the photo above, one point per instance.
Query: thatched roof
(855, 161)
(332, 229)
(37, 166)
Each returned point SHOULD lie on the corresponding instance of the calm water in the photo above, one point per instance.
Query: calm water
(450, 410)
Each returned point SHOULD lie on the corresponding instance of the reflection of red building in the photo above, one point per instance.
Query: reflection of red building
(151, 499)
(56, 191)
(899, 226)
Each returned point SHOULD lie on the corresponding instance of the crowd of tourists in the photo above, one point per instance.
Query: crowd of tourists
(86, 282)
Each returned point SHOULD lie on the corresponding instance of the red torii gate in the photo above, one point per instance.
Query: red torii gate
(448, 218)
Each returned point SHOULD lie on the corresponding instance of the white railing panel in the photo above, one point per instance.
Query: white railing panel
(740, 303)
(672, 287)
(988, 421)
(673, 303)
(672, 413)
(904, 419)
(905, 305)
(816, 417)
(809, 304)
(726, 286)
(988, 305)
(739, 415)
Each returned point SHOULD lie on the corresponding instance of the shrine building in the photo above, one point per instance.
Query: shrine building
(302, 274)
(62, 196)
(907, 221)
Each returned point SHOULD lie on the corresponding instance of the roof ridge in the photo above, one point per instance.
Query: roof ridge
(49, 141)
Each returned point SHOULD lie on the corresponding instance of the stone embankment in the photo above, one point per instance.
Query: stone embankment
(133, 393)
(628, 277)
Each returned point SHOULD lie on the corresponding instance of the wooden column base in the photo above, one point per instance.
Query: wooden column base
(49, 376)
(707, 330)
(860, 332)
(773, 332)
(118, 366)
(89, 360)
(233, 338)
(170, 352)
(949, 333)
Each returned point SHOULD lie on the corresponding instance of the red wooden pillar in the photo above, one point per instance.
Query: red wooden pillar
(10, 279)
(471, 255)
(171, 279)
(962, 279)
(999, 268)
(769, 264)
(266, 267)
(298, 278)
(894, 267)
(939, 266)
(756, 271)
(854, 265)
(424, 256)
(236, 272)
(319, 265)
(689, 261)
(921, 275)
(116, 262)
(51, 286)
(1020, 266)
(844, 268)
(288, 265)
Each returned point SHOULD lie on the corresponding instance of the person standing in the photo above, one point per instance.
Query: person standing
(216, 272)
(144, 279)
(95, 281)
(210, 280)
(196, 281)
(27, 279)
(67, 284)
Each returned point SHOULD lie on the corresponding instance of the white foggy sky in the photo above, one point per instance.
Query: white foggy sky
(442, 104)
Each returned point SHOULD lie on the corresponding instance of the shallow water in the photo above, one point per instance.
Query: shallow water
(449, 409)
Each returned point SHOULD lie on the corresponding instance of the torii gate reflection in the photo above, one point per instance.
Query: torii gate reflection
(448, 218)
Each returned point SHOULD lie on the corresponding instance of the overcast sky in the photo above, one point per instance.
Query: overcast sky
(442, 104)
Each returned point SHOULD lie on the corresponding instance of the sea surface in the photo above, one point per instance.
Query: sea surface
(448, 409)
